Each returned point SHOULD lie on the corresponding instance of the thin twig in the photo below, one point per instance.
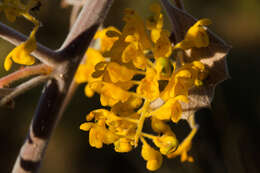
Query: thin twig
(23, 88)
(23, 73)
(42, 53)
(5, 91)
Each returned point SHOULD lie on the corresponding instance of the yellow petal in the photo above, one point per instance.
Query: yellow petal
(85, 71)
(109, 137)
(86, 126)
(149, 86)
(160, 126)
(196, 36)
(184, 147)
(169, 109)
(153, 157)
(108, 37)
(82, 74)
(204, 22)
(163, 66)
(88, 91)
(111, 94)
(163, 46)
(96, 136)
(8, 63)
(166, 143)
(123, 145)
(129, 53)
(155, 35)
(119, 73)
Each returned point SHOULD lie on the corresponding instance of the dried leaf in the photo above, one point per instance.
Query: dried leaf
(213, 56)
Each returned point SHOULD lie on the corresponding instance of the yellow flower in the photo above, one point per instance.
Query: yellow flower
(183, 79)
(111, 94)
(196, 36)
(84, 72)
(123, 127)
(119, 72)
(171, 109)
(101, 114)
(160, 126)
(166, 143)
(127, 108)
(184, 148)
(137, 80)
(135, 26)
(21, 54)
(98, 134)
(188, 76)
(123, 145)
(153, 157)
(107, 36)
(163, 67)
(163, 46)
(118, 125)
(134, 53)
(155, 23)
(149, 87)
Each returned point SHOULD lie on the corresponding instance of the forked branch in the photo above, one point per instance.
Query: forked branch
(51, 105)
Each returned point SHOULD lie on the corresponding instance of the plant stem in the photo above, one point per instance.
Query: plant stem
(51, 105)
(23, 88)
(23, 73)
(74, 14)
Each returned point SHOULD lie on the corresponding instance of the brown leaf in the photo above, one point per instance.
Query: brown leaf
(213, 56)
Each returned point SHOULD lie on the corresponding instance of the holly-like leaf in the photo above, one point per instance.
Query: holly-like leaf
(213, 57)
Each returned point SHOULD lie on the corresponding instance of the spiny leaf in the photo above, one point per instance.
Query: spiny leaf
(213, 56)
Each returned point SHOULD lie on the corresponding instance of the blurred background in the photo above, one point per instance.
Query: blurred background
(228, 138)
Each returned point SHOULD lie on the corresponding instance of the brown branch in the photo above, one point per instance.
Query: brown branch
(23, 88)
(74, 14)
(179, 4)
(51, 105)
(23, 73)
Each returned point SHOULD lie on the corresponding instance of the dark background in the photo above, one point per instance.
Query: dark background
(228, 139)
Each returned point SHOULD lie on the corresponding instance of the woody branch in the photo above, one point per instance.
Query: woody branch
(51, 104)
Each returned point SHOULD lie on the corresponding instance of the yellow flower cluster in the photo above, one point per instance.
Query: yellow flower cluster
(138, 78)
(21, 54)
